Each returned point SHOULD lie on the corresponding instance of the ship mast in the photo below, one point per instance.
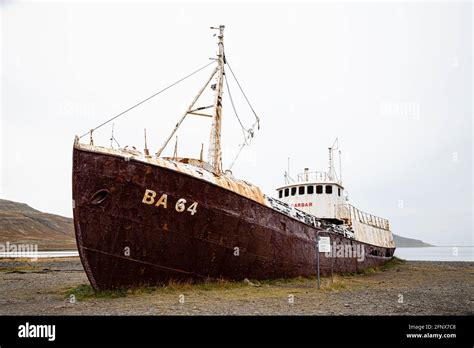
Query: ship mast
(332, 173)
(215, 152)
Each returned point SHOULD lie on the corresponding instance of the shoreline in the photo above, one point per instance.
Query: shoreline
(59, 286)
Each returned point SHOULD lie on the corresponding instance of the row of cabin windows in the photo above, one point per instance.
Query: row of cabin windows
(307, 189)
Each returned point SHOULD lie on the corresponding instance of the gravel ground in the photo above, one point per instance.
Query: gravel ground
(411, 288)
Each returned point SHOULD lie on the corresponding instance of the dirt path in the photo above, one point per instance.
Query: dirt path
(413, 288)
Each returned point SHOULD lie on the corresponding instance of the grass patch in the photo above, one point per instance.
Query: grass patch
(85, 291)
(285, 281)
(219, 285)
(370, 270)
(342, 281)
(346, 280)
(20, 269)
(334, 286)
(347, 274)
(394, 262)
(175, 286)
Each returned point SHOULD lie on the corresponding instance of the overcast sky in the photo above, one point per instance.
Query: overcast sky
(393, 81)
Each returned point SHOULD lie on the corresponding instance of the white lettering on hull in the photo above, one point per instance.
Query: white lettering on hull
(180, 206)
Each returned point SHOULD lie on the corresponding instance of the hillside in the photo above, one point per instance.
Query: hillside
(404, 242)
(21, 224)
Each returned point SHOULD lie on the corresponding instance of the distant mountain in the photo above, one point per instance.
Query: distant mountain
(21, 224)
(404, 242)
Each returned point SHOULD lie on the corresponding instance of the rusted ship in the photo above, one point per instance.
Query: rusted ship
(147, 219)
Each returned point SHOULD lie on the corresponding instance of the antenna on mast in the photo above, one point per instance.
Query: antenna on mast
(340, 168)
(330, 163)
(288, 177)
(287, 173)
(288, 166)
(331, 172)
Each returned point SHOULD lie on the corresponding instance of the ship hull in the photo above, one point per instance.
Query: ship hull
(128, 234)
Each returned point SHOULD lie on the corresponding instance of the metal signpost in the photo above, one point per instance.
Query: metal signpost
(324, 246)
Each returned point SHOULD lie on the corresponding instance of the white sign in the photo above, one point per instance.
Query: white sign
(324, 244)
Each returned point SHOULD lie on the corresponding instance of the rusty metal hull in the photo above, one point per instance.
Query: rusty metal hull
(124, 242)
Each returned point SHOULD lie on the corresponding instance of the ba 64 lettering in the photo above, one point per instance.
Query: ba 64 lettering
(150, 198)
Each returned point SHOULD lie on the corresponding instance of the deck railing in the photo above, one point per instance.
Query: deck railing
(314, 176)
(348, 213)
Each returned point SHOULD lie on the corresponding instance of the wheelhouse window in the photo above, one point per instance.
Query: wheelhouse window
(280, 193)
(319, 189)
(287, 192)
(328, 189)
(339, 191)
(293, 191)
(310, 190)
(301, 190)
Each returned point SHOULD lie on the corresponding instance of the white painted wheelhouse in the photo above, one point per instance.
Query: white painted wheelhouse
(321, 194)
(316, 193)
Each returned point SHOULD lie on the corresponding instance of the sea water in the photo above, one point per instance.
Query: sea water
(454, 253)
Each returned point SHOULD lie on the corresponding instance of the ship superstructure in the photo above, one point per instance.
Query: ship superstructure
(322, 194)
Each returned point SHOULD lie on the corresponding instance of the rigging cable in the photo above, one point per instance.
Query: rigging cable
(248, 133)
(154, 95)
(237, 156)
(112, 138)
(235, 111)
(248, 102)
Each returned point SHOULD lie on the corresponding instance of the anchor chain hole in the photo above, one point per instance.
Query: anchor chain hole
(99, 196)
